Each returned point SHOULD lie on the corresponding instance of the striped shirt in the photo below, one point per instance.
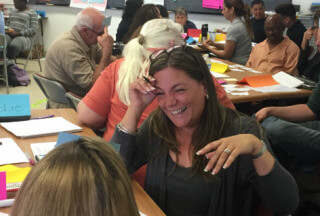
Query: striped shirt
(25, 22)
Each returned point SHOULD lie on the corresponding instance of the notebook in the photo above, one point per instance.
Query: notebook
(40, 127)
(14, 107)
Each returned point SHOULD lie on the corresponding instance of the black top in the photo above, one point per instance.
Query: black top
(296, 31)
(189, 25)
(123, 28)
(187, 194)
(232, 194)
(258, 29)
(309, 68)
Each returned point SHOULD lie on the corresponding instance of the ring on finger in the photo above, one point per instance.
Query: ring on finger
(227, 151)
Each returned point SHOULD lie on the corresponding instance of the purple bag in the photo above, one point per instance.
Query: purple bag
(17, 76)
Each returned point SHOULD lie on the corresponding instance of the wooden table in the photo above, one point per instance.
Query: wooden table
(254, 95)
(145, 204)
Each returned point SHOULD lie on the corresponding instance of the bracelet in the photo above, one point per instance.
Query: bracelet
(262, 150)
(125, 130)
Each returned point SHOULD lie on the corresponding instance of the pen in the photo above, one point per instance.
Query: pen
(146, 79)
(31, 161)
(6, 202)
(43, 117)
(39, 157)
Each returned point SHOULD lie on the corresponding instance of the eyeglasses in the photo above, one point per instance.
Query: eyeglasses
(154, 55)
(98, 33)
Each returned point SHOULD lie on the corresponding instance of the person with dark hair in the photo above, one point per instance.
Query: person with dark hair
(23, 25)
(308, 65)
(202, 158)
(79, 178)
(294, 131)
(181, 17)
(129, 11)
(276, 53)
(238, 43)
(145, 13)
(163, 11)
(295, 28)
(258, 19)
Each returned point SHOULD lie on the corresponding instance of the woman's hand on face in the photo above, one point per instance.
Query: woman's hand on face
(140, 92)
(308, 34)
(223, 152)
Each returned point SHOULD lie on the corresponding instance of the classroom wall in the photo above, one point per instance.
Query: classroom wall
(61, 19)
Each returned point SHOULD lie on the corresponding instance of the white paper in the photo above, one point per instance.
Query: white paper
(42, 148)
(275, 88)
(3, 214)
(160, 2)
(139, 212)
(218, 75)
(10, 152)
(216, 61)
(40, 127)
(287, 80)
(240, 93)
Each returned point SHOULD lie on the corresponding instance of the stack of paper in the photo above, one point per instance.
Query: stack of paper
(15, 174)
(10, 152)
(219, 68)
(40, 127)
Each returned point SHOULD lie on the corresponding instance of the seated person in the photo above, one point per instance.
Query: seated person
(257, 21)
(238, 43)
(23, 25)
(202, 158)
(308, 65)
(163, 11)
(276, 53)
(295, 27)
(108, 100)
(76, 59)
(181, 17)
(145, 13)
(129, 11)
(295, 130)
(83, 177)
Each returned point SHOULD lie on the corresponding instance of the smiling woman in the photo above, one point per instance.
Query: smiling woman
(189, 139)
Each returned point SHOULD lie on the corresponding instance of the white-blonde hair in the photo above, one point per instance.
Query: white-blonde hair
(155, 34)
(85, 19)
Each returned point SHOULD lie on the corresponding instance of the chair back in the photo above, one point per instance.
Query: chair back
(4, 62)
(53, 90)
(73, 99)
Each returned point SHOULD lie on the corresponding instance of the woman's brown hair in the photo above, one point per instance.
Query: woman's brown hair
(79, 178)
(214, 119)
(145, 13)
(240, 10)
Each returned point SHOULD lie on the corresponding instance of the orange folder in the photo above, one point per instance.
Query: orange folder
(259, 81)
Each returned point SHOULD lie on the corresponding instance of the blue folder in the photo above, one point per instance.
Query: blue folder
(14, 107)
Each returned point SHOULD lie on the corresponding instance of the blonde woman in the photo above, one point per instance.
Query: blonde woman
(79, 178)
(108, 100)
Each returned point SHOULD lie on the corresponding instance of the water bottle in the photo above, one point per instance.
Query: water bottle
(204, 32)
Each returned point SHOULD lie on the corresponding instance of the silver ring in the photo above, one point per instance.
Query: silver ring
(227, 151)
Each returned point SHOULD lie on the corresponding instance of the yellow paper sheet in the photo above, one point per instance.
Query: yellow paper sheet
(220, 37)
(219, 68)
(15, 174)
